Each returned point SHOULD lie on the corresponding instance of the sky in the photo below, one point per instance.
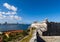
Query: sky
(28, 11)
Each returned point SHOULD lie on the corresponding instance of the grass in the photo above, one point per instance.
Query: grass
(28, 37)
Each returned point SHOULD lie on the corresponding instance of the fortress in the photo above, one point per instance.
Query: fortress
(46, 28)
(53, 29)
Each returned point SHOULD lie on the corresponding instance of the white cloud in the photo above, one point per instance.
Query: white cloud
(17, 17)
(7, 5)
(12, 13)
(9, 15)
(13, 8)
(10, 7)
(2, 16)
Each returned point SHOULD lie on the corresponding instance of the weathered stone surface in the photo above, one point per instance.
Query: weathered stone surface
(51, 38)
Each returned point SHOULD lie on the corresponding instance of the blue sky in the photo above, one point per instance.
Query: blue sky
(28, 11)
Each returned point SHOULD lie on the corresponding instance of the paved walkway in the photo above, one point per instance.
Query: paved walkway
(33, 39)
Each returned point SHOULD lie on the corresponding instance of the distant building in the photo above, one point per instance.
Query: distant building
(5, 23)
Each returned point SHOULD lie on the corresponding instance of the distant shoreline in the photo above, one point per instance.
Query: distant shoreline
(9, 27)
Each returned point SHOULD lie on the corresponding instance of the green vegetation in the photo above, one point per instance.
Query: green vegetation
(24, 36)
(27, 38)
(14, 36)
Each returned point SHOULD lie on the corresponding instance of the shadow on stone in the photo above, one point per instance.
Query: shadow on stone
(39, 39)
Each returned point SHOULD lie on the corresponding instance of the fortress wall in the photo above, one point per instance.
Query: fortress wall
(51, 38)
(53, 29)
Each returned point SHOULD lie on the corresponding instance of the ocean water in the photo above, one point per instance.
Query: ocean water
(6, 27)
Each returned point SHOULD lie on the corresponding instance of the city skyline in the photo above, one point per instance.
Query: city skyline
(28, 11)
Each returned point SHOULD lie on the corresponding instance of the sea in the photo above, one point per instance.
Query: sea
(7, 27)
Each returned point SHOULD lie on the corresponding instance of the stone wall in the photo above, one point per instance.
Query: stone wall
(51, 38)
(53, 29)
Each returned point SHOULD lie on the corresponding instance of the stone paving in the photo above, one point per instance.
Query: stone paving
(51, 38)
(33, 39)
